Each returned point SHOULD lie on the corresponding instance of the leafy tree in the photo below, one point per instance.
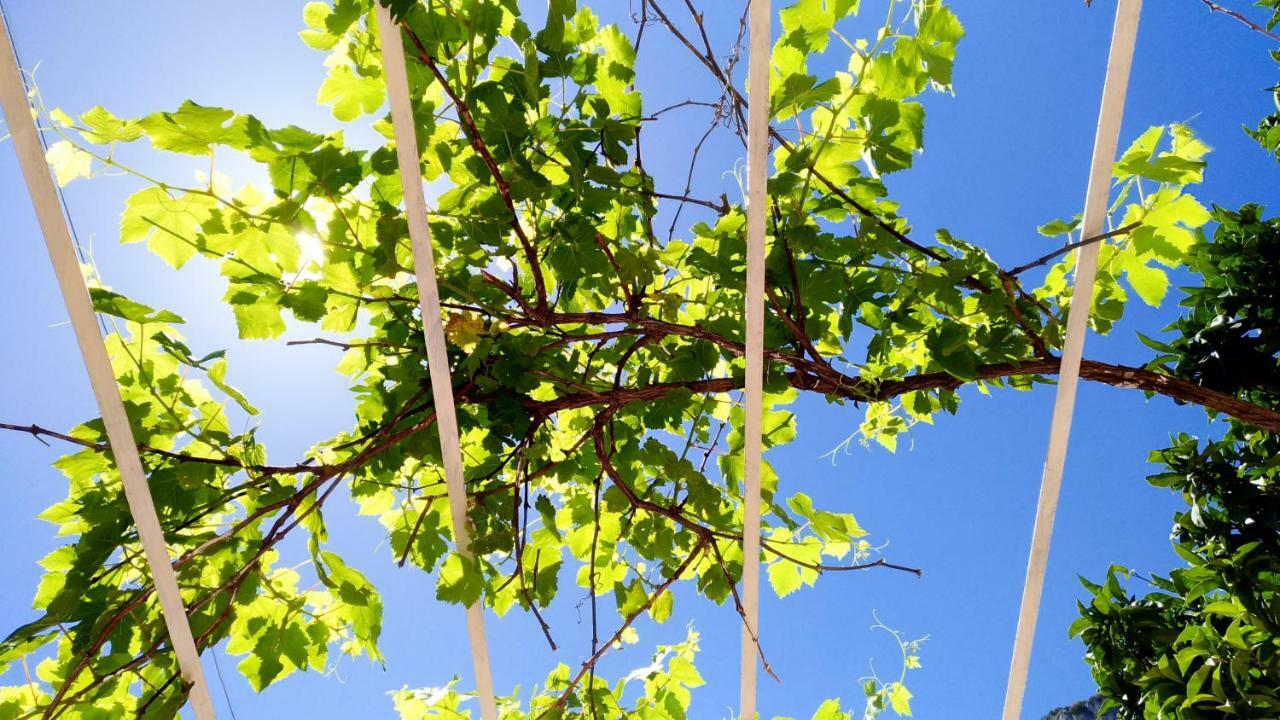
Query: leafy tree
(595, 359)
(1205, 643)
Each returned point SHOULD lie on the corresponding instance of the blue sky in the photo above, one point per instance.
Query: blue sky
(1007, 153)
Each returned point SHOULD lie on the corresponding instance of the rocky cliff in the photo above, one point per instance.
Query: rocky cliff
(1083, 710)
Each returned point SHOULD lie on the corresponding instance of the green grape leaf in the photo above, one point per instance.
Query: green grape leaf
(114, 304)
(218, 376)
(68, 162)
(461, 581)
(1151, 283)
(351, 95)
(103, 128)
(193, 129)
(170, 225)
(361, 606)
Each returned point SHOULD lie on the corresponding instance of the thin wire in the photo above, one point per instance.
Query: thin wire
(226, 696)
(1123, 38)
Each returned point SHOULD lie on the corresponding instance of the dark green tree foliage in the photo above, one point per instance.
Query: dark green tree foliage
(1267, 133)
(1205, 643)
(1230, 336)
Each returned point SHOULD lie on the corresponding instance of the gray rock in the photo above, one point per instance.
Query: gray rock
(1083, 710)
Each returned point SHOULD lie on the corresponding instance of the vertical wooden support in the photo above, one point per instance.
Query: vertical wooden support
(124, 450)
(757, 211)
(393, 64)
(1123, 38)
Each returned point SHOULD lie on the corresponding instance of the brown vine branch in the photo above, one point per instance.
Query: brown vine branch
(468, 122)
(1036, 339)
(590, 663)
(1047, 257)
(350, 346)
(721, 207)
(40, 432)
(742, 611)
(1240, 18)
(858, 389)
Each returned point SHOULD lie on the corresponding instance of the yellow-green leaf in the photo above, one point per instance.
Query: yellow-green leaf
(68, 162)
(351, 95)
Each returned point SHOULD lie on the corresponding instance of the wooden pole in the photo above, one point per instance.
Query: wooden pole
(66, 266)
(757, 210)
(1123, 38)
(393, 64)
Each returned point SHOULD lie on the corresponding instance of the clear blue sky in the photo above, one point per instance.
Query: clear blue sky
(1010, 151)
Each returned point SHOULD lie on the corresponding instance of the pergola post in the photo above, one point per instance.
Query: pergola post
(124, 449)
(1123, 38)
(393, 64)
(757, 209)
